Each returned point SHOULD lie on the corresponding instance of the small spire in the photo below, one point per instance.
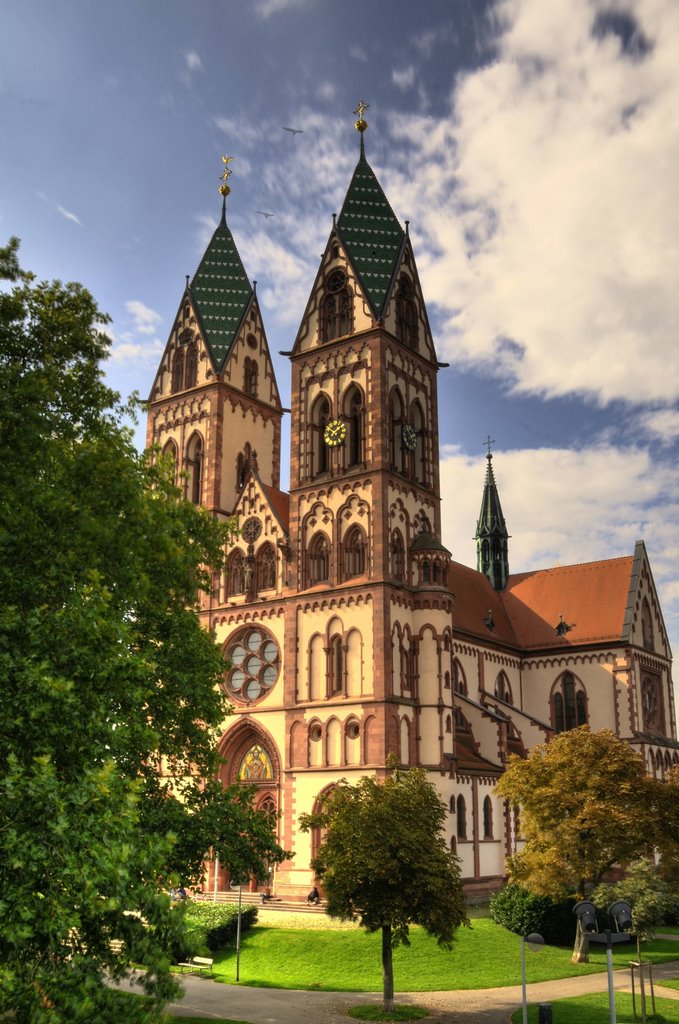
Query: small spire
(361, 124)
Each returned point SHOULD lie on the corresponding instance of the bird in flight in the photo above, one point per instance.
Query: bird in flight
(264, 213)
(294, 131)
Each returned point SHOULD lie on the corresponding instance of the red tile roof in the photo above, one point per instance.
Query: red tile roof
(280, 503)
(592, 597)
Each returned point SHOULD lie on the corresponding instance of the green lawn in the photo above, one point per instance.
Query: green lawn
(485, 956)
(594, 1009)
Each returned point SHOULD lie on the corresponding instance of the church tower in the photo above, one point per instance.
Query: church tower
(371, 619)
(492, 557)
(215, 402)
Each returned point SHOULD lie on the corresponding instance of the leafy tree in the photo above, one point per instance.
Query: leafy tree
(587, 803)
(383, 861)
(652, 899)
(106, 673)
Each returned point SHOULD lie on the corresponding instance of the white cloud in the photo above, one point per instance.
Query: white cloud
(265, 8)
(662, 424)
(358, 53)
(145, 320)
(404, 79)
(545, 208)
(68, 215)
(193, 61)
(143, 355)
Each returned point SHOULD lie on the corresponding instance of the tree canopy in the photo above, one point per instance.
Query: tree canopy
(107, 675)
(383, 860)
(587, 803)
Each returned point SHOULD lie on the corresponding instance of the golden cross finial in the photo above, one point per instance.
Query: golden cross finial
(361, 124)
(225, 188)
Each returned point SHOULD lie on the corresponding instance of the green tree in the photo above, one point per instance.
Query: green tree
(383, 861)
(587, 803)
(106, 673)
(652, 899)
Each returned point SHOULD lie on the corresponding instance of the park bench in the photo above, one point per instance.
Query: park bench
(197, 963)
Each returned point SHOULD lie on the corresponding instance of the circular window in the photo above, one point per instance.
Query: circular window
(255, 665)
(336, 281)
(252, 341)
(315, 733)
(353, 730)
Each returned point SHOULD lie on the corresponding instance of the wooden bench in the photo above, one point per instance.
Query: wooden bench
(197, 963)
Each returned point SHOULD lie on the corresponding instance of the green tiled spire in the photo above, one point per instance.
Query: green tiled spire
(221, 292)
(491, 533)
(370, 232)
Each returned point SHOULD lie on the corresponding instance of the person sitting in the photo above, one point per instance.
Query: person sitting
(313, 896)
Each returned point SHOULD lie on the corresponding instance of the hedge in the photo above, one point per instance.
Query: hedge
(523, 912)
(209, 927)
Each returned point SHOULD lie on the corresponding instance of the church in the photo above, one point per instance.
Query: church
(349, 632)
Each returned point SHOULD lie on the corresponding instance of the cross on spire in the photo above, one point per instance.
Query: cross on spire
(487, 443)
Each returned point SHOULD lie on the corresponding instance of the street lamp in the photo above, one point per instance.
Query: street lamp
(237, 883)
(534, 941)
(621, 914)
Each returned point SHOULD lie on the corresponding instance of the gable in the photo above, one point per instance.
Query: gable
(248, 366)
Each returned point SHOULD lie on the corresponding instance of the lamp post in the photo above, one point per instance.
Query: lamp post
(534, 941)
(238, 885)
(621, 915)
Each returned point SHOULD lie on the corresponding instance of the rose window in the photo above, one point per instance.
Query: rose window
(255, 665)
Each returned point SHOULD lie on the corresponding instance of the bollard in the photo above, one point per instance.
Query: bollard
(545, 1013)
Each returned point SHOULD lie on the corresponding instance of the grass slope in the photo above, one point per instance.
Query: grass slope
(485, 956)
(594, 1009)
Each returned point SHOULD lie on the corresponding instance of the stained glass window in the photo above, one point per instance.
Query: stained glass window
(255, 766)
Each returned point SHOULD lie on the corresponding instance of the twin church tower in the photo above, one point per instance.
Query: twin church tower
(338, 609)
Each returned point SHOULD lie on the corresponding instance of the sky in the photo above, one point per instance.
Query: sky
(533, 147)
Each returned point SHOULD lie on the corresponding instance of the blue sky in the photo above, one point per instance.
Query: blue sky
(532, 146)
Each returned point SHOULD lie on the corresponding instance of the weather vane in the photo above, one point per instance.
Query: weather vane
(225, 188)
(361, 124)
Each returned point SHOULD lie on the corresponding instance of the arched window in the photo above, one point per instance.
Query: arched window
(569, 704)
(353, 413)
(503, 689)
(461, 818)
(235, 573)
(354, 553)
(651, 703)
(487, 818)
(420, 469)
(243, 465)
(336, 666)
(449, 723)
(320, 417)
(319, 559)
(178, 371)
(459, 681)
(406, 314)
(266, 567)
(397, 451)
(646, 626)
(194, 468)
(250, 374)
(191, 365)
(461, 723)
(336, 308)
(426, 571)
(397, 557)
(170, 453)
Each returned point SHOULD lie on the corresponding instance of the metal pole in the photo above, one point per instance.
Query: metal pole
(216, 866)
(240, 899)
(523, 981)
(611, 989)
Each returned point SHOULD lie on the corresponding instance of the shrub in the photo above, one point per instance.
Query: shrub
(523, 912)
(209, 927)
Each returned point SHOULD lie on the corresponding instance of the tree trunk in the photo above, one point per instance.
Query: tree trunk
(387, 969)
(581, 947)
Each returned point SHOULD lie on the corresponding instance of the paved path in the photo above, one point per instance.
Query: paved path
(209, 999)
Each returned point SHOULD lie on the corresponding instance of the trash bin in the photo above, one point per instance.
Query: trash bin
(545, 1013)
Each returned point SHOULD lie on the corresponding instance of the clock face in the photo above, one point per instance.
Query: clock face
(409, 437)
(334, 433)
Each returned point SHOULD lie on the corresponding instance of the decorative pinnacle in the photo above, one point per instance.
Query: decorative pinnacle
(225, 188)
(361, 124)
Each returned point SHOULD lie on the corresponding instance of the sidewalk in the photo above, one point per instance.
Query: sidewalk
(208, 999)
